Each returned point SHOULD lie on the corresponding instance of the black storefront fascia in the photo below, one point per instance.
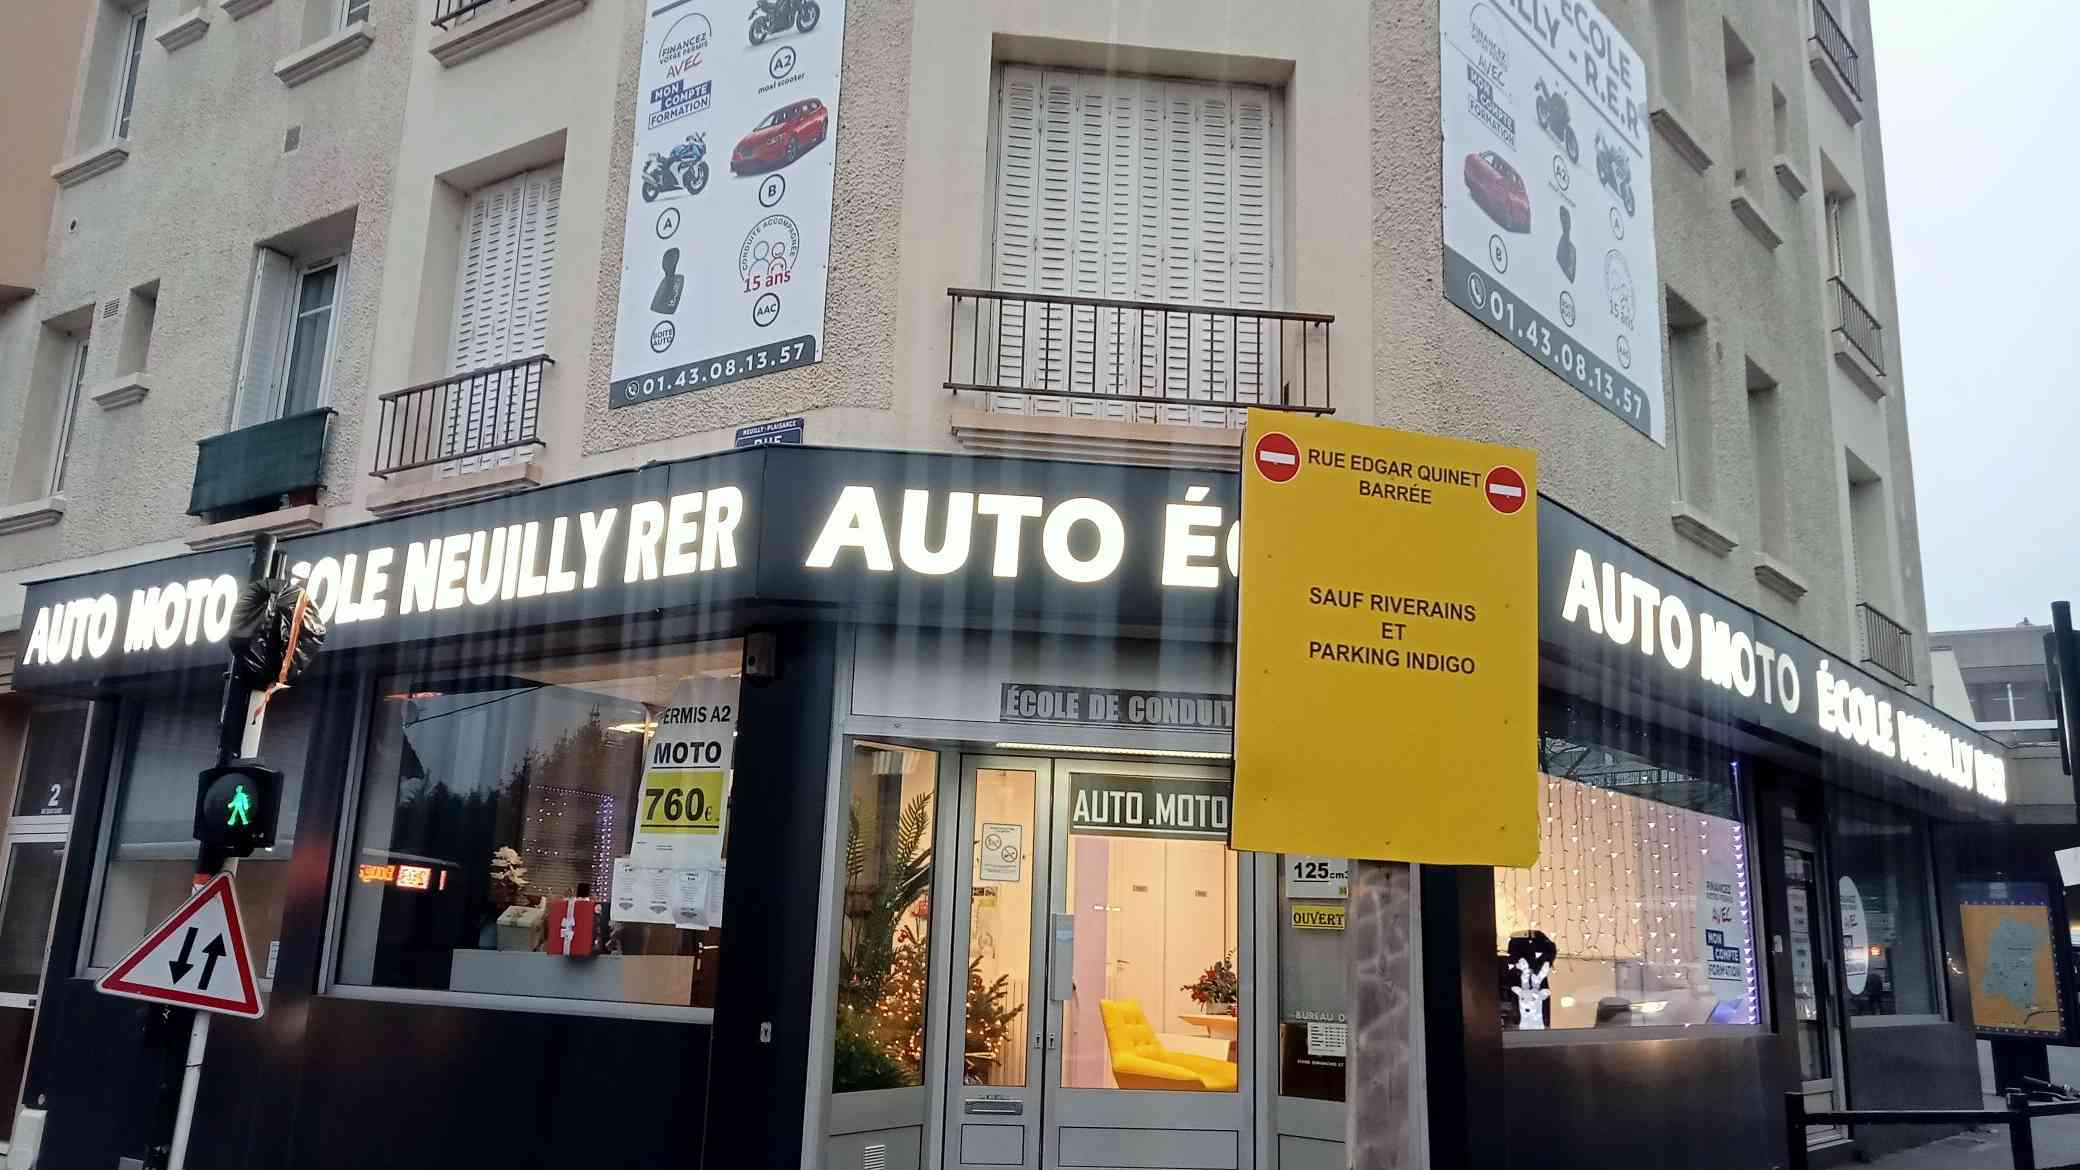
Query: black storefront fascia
(332, 1081)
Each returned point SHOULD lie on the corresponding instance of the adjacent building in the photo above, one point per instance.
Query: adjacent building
(488, 310)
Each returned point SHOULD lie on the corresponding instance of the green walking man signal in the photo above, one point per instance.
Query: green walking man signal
(236, 806)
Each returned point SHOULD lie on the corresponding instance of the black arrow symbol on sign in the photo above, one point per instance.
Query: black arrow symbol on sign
(215, 951)
(182, 966)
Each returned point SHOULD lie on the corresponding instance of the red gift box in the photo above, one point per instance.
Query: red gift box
(570, 926)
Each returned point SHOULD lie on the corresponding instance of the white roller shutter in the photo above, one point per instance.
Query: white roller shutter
(502, 297)
(1132, 189)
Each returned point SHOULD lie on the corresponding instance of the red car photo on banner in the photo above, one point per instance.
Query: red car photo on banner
(1499, 190)
(782, 138)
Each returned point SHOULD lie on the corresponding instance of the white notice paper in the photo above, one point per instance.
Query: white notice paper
(715, 899)
(690, 898)
(1326, 1039)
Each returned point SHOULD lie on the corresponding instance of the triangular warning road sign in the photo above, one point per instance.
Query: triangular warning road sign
(197, 958)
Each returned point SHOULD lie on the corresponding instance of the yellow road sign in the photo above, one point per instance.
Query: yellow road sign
(1386, 691)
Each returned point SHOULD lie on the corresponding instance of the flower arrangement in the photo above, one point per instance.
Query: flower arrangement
(1218, 986)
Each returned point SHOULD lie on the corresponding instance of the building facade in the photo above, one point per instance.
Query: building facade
(357, 273)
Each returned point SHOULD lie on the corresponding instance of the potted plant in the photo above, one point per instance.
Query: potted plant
(1217, 988)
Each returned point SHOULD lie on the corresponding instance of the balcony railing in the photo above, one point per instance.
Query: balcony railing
(468, 419)
(1834, 41)
(1858, 324)
(259, 463)
(1135, 361)
(447, 12)
(1886, 642)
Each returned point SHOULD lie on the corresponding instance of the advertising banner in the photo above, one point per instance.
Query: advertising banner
(1548, 195)
(728, 232)
(1386, 675)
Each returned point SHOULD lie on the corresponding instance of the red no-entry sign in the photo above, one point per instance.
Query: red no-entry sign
(1277, 457)
(1505, 489)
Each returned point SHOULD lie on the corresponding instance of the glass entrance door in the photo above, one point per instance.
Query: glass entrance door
(1812, 944)
(1102, 929)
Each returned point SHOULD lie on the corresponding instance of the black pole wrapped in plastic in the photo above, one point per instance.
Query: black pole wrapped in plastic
(273, 615)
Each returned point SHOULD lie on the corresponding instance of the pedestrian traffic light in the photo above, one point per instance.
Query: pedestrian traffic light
(236, 805)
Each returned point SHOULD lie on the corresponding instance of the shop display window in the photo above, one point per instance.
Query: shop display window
(1881, 866)
(1312, 999)
(551, 828)
(884, 945)
(1639, 912)
(151, 848)
(1156, 987)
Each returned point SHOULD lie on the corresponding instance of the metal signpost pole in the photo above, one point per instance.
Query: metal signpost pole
(1379, 980)
(238, 737)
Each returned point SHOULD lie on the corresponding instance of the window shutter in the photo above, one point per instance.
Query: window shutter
(1137, 189)
(259, 395)
(508, 264)
(1018, 168)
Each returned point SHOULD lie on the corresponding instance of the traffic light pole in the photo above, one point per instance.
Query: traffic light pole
(238, 736)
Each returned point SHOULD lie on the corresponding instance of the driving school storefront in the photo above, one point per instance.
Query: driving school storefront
(542, 890)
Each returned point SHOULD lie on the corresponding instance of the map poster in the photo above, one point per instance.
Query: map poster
(2009, 959)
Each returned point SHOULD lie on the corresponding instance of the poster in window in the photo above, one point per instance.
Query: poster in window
(727, 237)
(1721, 921)
(681, 808)
(1549, 195)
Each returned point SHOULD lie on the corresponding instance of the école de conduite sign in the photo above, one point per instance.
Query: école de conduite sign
(1386, 687)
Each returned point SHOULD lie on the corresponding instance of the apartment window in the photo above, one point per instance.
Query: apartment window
(1766, 436)
(1870, 545)
(1689, 371)
(1133, 189)
(292, 324)
(68, 412)
(126, 74)
(353, 11)
(502, 299)
(1742, 100)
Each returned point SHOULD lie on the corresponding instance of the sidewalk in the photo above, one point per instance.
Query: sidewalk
(2057, 1144)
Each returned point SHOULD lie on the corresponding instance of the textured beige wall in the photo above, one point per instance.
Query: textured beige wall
(399, 136)
(38, 58)
(206, 180)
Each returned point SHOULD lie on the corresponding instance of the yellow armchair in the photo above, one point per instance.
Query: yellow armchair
(1139, 1060)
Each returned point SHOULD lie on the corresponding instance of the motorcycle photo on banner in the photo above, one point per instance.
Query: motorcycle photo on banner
(723, 270)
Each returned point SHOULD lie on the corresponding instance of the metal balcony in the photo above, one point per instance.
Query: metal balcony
(446, 12)
(1134, 361)
(1834, 42)
(1886, 643)
(461, 419)
(1858, 324)
(255, 465)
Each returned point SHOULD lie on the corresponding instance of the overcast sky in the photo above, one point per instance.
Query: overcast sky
(1981, 106)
